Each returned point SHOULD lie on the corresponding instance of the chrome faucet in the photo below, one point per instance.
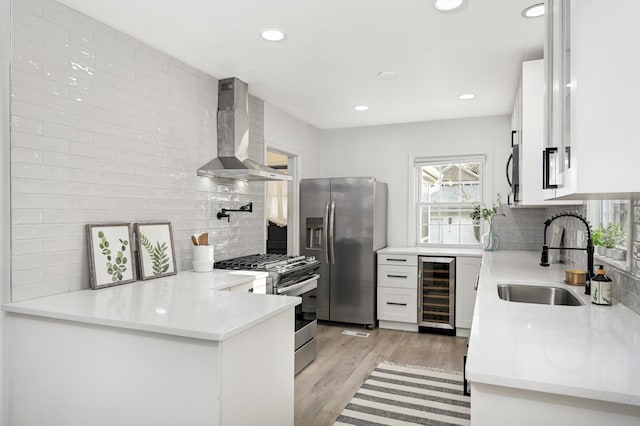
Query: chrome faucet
(544, 260)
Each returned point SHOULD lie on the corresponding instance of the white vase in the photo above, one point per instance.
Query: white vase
(618, 254)
(490, 240)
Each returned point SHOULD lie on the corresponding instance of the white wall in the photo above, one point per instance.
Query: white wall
(292, 136)
(283, 131)
(384, 151)
(105, 129)
(5, 246)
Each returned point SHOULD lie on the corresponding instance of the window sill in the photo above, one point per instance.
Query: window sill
(622, 265)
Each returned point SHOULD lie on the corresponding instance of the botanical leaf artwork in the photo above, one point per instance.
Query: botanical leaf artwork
(155, 250)
(110, 254)
(158, 253)
(117, 266)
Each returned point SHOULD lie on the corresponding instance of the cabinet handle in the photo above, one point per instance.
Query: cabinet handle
(397, 304)
(507, 170)
(397, 276)
(396, 260)
(549, 159)
(475, 287)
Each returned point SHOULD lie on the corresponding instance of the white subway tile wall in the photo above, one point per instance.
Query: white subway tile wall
(626, 288)
(520, 229)
(108, 129)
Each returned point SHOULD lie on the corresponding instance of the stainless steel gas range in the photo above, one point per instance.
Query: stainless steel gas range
(289, 276)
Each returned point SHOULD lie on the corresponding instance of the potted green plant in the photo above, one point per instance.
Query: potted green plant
(598, 240)
(613, 236)
(490, 240)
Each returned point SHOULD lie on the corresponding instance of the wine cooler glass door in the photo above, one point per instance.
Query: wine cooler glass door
(437, 292)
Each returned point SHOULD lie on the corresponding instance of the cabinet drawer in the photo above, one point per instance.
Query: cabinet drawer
(398, 276)
(398, 259)
(398, 304)
(243, 288)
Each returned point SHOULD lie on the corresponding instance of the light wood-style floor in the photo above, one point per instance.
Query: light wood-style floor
(344, 362)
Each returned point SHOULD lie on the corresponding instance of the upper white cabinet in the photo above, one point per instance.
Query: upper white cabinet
(591, 99)
(528, 123)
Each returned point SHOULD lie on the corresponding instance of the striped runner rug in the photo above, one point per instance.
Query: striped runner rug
(397, 395)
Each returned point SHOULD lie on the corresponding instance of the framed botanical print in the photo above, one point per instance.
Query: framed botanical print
(156, 256)
(111, 260)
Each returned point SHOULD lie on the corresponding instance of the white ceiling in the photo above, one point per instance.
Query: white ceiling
(335, 48)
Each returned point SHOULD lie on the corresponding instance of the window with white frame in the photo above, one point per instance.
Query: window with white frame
(611, 223)
(447, 188)
(276, 208)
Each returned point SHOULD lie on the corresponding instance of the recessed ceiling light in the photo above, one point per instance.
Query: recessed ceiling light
(361, 107)
(449, 5)
(272, 35)
(534, 11)
(386, 75)
(466, 96)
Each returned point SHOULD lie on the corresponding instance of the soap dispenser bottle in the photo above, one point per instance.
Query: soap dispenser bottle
(601, 287)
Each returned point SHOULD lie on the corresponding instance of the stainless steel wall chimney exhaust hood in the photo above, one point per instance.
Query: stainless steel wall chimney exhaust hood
(233, 138)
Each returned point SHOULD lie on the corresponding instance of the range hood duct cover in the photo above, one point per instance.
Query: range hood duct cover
(233, 138)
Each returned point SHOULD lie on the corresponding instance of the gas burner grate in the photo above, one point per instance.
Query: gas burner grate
(254, 262)
(282, 269)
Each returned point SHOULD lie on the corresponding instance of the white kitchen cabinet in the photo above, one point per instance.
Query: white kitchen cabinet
(397, 285)
(259, 285)
(467, 271)
(516, 130)
(528, 118)
(591, 99)
(545, 365)
(534, 408)
(174, 351)
(398, 260)
(397, 276)
(397, 305)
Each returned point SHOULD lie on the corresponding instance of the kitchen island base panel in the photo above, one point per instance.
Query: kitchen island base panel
(395, 325)
(69, 373)
(463, 332)
(501, 406)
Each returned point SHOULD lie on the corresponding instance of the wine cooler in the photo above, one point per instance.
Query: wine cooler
(436, 294)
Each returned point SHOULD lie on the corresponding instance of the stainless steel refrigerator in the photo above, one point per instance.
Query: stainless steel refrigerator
(343, 221)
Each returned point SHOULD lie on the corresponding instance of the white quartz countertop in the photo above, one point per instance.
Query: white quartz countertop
(432, 251)
(188, 304)
(585, 351)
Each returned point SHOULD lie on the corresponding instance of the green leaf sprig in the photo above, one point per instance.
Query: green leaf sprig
(158, 254)
(115, 267)
(481, 211)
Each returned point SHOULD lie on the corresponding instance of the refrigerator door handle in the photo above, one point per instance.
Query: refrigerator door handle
(420, 297)
(325, 228)
(332, 225)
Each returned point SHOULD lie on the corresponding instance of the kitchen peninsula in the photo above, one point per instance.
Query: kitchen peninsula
(175, 350)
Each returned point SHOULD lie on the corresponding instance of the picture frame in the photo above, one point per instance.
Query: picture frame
(156, 253)
(111, 254)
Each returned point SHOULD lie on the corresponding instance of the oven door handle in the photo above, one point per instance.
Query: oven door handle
(294, 287)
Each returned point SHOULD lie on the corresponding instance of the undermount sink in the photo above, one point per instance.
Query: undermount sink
(537, 294)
